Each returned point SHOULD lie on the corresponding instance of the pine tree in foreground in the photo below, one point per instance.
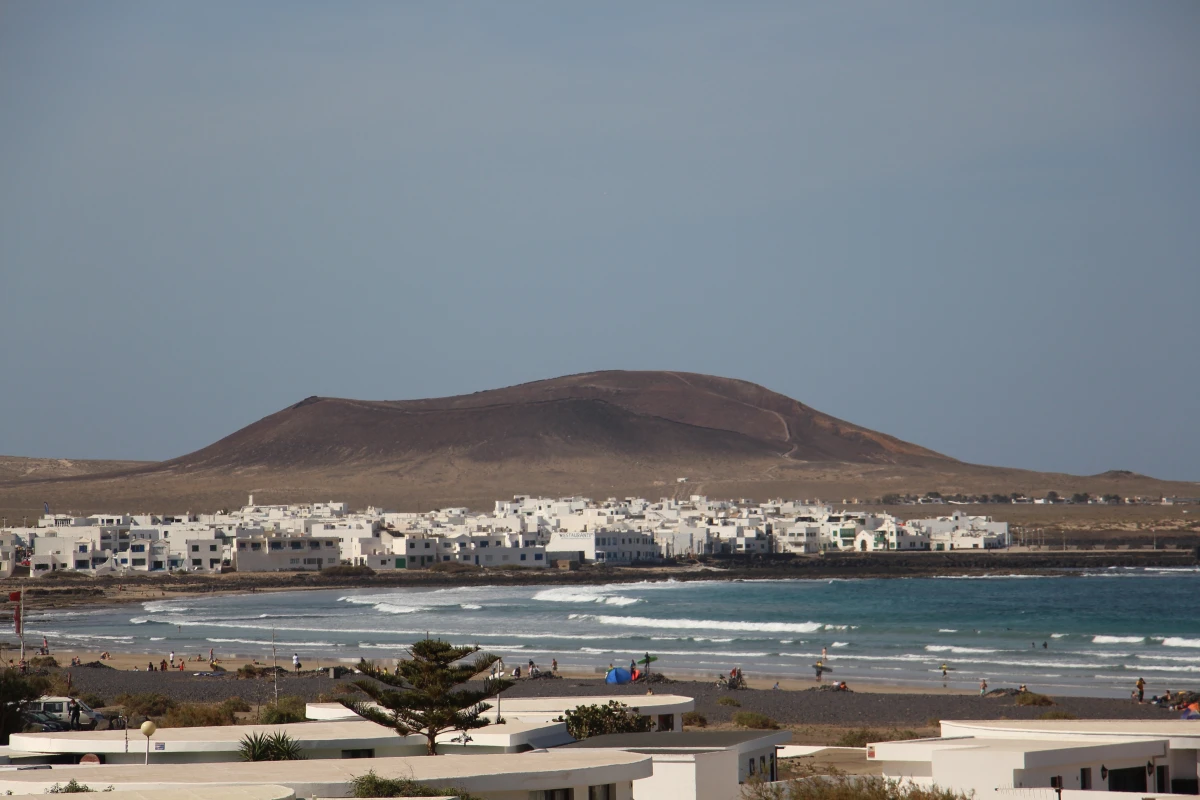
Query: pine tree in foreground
(423, 695)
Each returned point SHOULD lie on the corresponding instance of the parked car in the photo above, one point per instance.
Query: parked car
(57, 707)
(41, 722)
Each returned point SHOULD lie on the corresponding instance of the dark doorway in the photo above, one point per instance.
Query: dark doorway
(1131, 779)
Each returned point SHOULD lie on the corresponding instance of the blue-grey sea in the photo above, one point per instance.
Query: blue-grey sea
(1092, 633)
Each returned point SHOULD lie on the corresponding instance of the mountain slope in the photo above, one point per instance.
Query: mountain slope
(648, 415)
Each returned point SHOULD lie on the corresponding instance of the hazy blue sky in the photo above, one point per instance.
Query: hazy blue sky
(974, 226)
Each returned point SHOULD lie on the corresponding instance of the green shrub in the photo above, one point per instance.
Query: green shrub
(586, 721)
(71, 787)
(847, 787)
(43, 662)
(694, 719)
(237, 704)
(147, 704)
(288, 709)
(1033, 699)
(753, 719)
(371, 785)
(864, 736)
(276, 746)
(93, 700)
(728, 701)
(1057, 713)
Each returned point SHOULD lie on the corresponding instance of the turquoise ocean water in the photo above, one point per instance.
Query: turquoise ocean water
(1090, 633)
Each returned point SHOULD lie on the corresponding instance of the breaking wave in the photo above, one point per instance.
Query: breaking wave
(1179, 641)
(703, 624)
(1118, 639)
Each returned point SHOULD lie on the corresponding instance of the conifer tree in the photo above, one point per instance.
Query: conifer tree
(423, 695)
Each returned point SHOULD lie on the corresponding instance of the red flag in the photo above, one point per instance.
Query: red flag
(17, 620)
(14, 596)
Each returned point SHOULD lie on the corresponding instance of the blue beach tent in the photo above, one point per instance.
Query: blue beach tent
(618, 675)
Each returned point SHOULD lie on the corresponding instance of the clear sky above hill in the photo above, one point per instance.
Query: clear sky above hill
(973, 226)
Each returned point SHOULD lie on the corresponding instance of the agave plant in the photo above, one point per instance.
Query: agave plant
(276, 746)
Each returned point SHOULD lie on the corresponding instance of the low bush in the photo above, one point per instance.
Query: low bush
(755, 720)
(43, 662)
(1058, 713)
(200, 715)
(1033, 699)
(93, 700)
(371, 785)
(613, 717)
(147, 704)
(847, 787)
(694, 719)
(864, 736)
(288, 709)
(72, 787)
(728, 701)
(257, 671)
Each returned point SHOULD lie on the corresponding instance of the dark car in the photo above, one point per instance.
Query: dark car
(41, 722)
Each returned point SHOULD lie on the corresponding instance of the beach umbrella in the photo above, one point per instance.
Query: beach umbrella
(618, 675)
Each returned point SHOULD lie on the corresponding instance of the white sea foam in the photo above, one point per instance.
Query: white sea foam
(601, 594)
(840, 644)
(709, 639)
(1057, 635)
(1161, 668)
(470, 607)
(1178, 641)
(268, 643)
(1118, 639)
(157, 638)
(598, 651)
(945, 648)
(389, 608)
(703, 624)
(947, 630)
(138, 621)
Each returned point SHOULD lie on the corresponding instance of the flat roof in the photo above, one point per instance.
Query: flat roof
(212, 738)
(351, 734)
(1093, 727)
(687, 740)
(264, 792)
(489, 772)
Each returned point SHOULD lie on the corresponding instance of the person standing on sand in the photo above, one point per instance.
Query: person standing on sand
(296, 662)
(983, 687)
(210, 655)
(172, 659)
(554, 666)
(824, 653)
(1141, 689)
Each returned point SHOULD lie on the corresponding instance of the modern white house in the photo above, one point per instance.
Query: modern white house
(1143, 756)
(273, 552)
(697, 765)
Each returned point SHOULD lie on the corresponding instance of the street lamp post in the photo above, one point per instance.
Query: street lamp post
(148, 729)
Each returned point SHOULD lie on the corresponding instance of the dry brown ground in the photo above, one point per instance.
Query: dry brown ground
(430, 483)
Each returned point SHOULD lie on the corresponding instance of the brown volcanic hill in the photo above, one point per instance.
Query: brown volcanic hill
(655, 416)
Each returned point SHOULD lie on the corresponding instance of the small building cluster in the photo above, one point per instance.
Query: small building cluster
(524, 532)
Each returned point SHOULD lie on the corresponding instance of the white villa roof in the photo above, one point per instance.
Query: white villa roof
(348, 734)
(532, 771)
(201, 793)
(1182, 733)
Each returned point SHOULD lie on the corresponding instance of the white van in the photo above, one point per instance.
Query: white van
(58, 707)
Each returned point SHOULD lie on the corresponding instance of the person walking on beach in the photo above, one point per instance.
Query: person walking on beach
(824, 653)
(210, 655)
(983, 687)
(553, 665)
(296, 662)
(1141, 689)
(172, 659)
